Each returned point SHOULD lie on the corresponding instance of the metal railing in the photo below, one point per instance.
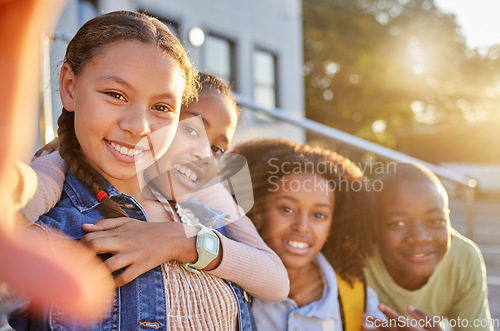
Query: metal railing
(468, 183)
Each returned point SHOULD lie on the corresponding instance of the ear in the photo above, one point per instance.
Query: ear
(67, 83)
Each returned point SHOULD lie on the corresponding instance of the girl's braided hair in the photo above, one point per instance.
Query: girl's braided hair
(90, 39)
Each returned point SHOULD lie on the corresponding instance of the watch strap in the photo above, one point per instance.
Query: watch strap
(204, 257)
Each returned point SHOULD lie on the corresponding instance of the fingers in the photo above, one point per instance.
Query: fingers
(106, 224)
(131, 268)
(417, 314)
(102, 242)
(422, 321)
(118, 261)
(129, 274)
(390, 313)
(429, 322)
(395, 319)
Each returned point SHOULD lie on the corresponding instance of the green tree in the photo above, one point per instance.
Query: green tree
(386, 69)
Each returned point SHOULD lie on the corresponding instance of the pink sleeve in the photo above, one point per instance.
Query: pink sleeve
(50, 174)
(246, 260)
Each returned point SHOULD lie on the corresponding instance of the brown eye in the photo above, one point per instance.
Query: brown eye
(191, 131)
(115, 95)
(286, 209)
(217, 151)
(164, 108)
(397, 225)
(320, 215)
(437, 222)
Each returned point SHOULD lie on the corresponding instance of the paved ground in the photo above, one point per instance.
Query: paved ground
(487, 236)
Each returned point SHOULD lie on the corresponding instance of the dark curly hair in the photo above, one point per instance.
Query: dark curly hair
(91, 39)
(349, 240)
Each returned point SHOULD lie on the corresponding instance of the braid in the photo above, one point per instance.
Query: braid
(89, 41)
(70, 151)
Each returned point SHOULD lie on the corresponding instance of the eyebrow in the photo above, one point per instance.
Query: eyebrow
(118, 80)
(206, 123)
(295, 199)
(126, 84)
(193, 114)
(434, 210)
(430, 211)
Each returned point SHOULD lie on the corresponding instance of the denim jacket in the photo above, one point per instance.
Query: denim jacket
(138, 305)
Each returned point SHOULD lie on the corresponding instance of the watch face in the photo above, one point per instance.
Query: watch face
(210, 244)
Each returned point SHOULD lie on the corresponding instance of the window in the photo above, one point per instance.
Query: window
(87, 9)
(265, 91)
(218, 58)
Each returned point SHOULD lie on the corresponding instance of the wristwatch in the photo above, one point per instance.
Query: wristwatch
(207, 246)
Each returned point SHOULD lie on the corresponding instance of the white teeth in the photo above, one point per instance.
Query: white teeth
(187, 173)
(298, 244)
(115, 146)
(419, 255)
(126, 151)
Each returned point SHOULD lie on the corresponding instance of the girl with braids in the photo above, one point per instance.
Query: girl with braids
(141, 246)
(307, 209)
(124, 79)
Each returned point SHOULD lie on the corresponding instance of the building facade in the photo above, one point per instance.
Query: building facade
(254, 46)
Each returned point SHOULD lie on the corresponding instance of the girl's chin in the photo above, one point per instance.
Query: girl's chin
(292, 262)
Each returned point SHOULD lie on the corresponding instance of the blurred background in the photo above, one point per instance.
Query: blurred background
(376, 80)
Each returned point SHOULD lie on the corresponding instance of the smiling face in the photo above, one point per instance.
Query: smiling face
(219, 116)
(414, 231)
(125, 93)
(297, 218)
(205, 131)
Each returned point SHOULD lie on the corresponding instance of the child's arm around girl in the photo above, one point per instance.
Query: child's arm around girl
(124, 78)
(245, 260)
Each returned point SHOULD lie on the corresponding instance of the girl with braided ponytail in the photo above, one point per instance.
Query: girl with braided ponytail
(122, 84)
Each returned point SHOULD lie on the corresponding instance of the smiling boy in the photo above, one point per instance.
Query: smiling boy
(422, 261)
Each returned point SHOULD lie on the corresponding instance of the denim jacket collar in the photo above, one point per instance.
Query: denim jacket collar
(81, 195)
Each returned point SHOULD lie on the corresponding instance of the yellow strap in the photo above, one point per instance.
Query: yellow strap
(352, 301)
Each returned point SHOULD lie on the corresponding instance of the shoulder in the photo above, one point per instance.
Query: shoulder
(72, 210)
(375, 270)
(464, 250)
(463, 266)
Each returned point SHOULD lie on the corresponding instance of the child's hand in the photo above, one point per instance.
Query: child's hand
(140, 246)
(47, 266)
(397, 322)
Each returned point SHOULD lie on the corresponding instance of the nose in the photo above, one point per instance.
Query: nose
(135, 121)
(301, 224)
(418, 234)
(200, 153)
